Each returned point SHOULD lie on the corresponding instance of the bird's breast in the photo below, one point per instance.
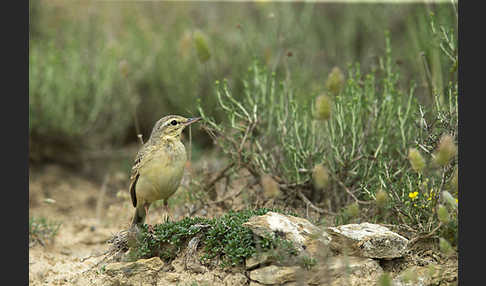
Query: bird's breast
(161, 175)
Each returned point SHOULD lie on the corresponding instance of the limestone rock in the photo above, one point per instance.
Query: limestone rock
(431, 274)
(145, 266)
(274, 274)
(338, 270)
(172, 276)
(256, 260)
(300, 231)
(345, 270)
(236, 279)
(367, 240)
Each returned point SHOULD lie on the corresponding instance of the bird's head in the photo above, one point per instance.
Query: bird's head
(171, 126)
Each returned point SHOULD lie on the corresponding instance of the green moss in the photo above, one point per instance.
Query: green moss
(222, 237)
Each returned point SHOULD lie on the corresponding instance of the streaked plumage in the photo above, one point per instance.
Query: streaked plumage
(159, 166)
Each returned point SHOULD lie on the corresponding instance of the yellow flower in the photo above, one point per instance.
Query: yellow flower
(413, 195)
(457, 201)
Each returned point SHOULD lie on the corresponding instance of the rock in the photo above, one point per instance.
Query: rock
(236, 279)
(274, 274)
(253, 283)
(367, 240)
(338, 270)
(256, 260)
(345, 270)
(178, 265)
(172, 276)
(431, 274)
(145, 266)
(300, 231)
(196, 267)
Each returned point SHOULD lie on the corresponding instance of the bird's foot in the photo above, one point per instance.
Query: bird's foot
(166, 218)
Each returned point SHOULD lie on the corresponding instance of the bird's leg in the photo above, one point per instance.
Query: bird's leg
(165, 216)
(149, 226)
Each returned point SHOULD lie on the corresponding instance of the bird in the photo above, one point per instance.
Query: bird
(159, 166)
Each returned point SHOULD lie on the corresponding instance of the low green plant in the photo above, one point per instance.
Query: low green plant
(42, 231)
(373, 135)
(308, 262)
(223, 237)
(268, 131)
(385, 279)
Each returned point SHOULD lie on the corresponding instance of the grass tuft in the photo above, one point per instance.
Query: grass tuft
(42, 231)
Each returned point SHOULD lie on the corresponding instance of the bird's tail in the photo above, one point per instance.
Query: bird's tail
(139, 216)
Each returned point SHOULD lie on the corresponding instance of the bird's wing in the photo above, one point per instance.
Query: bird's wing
(134, 175)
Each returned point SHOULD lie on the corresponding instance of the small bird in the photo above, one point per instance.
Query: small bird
(159, 165)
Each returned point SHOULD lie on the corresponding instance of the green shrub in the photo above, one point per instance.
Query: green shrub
(222, 237)
(365, 144)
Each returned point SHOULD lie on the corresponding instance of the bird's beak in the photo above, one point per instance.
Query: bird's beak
(192, 120)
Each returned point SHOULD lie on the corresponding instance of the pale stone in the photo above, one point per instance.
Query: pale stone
(431, 274)
(132, 268)
(236, 279)
(339, 270)
(367, 240)
(300, 231)
(256, 260)
(345, 270)
(274, 274)
(171, 276)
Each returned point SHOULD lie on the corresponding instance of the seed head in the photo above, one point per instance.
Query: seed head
(123, 67)
(449, 199)
(202, 48)
(320, 176)
(270, 187)
(352, 210)
(443, 214)
(323, 107)
(445, 247)
(446, 150)
(335, 81)
(416, 160)
(381, 198)
(453, 182)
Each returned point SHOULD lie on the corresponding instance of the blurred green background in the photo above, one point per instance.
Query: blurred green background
(101, 71)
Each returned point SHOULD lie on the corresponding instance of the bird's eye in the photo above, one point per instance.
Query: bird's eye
(173, 122)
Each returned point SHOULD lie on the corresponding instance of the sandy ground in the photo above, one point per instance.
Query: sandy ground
(89, 213)
(90, 210)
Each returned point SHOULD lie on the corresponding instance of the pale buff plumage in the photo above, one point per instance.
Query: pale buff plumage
(159, 166)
